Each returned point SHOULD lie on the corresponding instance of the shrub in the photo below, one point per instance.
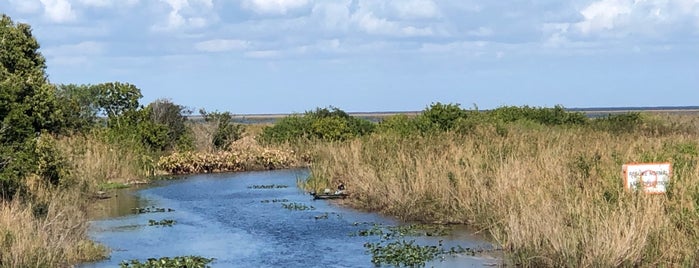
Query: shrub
(226, 131)
(547, 116)
(327, 124)
(443, 116)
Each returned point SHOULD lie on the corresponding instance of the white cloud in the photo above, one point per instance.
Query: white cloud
(97, 3)
(26, 6)
(636, 16)
(199, 14)
(109, 3)
(58, 10)
(220, 45)
(604, 15)
(416, 8)
(279, 7)
(371, 24)
(333, 14)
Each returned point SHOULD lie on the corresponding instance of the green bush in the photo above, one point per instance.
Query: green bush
(624, 122)
(226, 131)
(443, 116)
(327, 124)
(547, 116)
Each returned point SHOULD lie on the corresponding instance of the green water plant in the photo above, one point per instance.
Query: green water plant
(268, 186)
(275, 201)
(168, 262)
(151, 209)
(297, 206)
(164, 222)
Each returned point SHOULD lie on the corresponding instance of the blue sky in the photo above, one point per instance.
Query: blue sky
(284, 56)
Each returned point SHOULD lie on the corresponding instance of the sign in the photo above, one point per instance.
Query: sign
(652, 178)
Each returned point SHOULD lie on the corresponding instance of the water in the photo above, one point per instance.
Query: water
(218, 216)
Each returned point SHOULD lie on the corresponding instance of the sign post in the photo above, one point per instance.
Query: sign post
(651, 178)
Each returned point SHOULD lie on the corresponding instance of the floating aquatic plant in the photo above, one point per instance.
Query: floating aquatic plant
(297, 206)
(165, 222)
(268, 186)
(152, 209)
(167, 262)
(393, 250)
(325, 215)
(275, 201)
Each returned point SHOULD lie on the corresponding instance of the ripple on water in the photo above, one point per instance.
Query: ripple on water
(218, 216)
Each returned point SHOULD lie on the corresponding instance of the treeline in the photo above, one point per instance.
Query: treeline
(35, 113)
(333, 124)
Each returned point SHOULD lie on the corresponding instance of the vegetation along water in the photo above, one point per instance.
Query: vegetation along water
(543, 183)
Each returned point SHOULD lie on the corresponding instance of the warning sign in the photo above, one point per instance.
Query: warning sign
(651, 178)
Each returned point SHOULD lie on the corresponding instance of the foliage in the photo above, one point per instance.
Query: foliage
(438, 118)
(80, 105)
(115, 98)
(443, 116)
(624, 122)
(326, 124)
(167, 262)
(28, 104)
(173, 118)
(547, 116)
(226, 131)
(227, 161)
(394, 250)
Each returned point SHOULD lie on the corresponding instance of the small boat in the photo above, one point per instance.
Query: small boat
(328, 196)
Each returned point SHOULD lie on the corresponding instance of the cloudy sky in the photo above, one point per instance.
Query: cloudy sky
(283, 56)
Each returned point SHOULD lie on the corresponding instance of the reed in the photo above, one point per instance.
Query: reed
(51, 231)
(550, 196)
(47, 227)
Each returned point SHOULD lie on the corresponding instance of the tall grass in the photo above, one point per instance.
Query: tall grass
(551, 196)
(48, 226)
(49, 231)
(92, 160)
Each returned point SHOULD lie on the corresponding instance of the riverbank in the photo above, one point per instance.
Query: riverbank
(550, 195)
(48, 226)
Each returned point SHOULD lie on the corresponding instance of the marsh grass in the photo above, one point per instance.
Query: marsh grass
(48, 232)
(550, 196)
(47, 226)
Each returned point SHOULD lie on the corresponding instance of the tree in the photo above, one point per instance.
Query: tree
(226, 131)
(172, 116)
(28, 104)
(80, 105)
(444, 116)
(115, 98)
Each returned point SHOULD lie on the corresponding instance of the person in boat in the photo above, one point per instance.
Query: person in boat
(340, 188)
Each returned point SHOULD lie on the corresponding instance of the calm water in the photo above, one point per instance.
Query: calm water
(218, 216)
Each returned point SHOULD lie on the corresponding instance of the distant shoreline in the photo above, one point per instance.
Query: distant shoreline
(670, 109)
(591, 112)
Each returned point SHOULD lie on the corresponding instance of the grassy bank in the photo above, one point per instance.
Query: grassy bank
(550, 195)
(47, 225)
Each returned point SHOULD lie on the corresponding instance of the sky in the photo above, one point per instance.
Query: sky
(289, 56)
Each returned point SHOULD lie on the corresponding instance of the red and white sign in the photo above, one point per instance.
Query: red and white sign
(651, 178)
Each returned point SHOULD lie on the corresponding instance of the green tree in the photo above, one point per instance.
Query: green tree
(115, 98)
(444, 116)
(173, 117)
(28, 104)
(226, 131)
(81, 105)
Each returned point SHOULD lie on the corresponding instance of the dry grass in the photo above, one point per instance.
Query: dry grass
(49, 228)
(49, 232)
(92, 161)
(549, 196)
